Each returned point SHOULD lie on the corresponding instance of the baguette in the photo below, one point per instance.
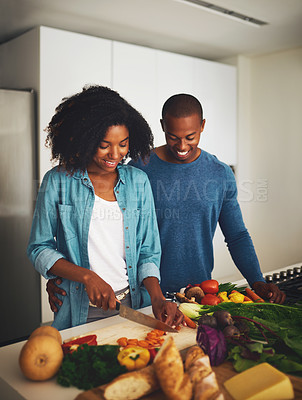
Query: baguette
(168, 365)
(198, 367)
(132, 385)
(193, 354)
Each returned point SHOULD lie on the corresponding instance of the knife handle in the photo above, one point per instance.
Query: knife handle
(117, 306)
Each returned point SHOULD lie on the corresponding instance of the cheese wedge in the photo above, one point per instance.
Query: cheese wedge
(262, 382)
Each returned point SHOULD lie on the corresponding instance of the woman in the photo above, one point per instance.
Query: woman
(94, 224)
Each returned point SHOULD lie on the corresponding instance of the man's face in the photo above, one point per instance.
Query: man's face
(182, 137)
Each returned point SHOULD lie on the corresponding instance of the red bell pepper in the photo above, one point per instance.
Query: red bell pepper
(72, 345)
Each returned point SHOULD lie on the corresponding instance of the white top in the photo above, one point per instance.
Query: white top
(106, 245)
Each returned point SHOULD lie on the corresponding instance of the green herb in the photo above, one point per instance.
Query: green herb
(90, 366)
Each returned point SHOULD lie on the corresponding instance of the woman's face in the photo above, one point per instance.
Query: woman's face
(112, 149)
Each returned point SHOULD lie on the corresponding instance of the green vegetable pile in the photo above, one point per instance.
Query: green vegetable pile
(275, 335)
(90, 366)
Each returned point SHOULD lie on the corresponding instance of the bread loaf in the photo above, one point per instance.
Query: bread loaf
(198, 367)
(168, 365)
(132, 385)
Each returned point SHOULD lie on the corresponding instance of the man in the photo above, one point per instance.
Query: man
(193, 191)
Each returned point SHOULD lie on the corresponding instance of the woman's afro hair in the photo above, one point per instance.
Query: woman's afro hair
(82, 120)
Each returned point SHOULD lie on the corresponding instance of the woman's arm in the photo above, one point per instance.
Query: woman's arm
(163, 310)
(99, 292)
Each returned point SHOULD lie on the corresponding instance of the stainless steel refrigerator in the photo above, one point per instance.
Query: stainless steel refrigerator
(20, 305)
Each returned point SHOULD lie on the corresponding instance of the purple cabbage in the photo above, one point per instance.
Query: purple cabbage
(213, 343)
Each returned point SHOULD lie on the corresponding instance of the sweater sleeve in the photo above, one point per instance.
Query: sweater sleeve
(236, 235)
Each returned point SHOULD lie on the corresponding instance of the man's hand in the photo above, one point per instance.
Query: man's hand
(52, 289)
(269, 291)
(167, 311)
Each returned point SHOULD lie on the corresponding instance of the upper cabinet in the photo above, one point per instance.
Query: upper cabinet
(215, 85)
(68, 61)
(148, 77)
(134, 77)
(58, 63)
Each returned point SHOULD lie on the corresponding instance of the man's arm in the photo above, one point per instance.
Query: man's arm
(240, 244)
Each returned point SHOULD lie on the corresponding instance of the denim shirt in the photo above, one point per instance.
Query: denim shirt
(60, 230)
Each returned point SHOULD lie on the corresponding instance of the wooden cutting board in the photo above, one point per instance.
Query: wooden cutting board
(185, 338)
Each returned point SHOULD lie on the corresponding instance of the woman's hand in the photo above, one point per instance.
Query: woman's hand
(52, 289)
(167, 311)
(99, 292)
(269, 291)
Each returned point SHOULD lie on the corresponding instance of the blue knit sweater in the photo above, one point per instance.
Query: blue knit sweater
(190, 199)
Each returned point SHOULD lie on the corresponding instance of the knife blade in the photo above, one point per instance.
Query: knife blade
(143, 319)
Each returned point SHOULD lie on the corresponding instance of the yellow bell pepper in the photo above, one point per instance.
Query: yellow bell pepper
(236, 297)
(223, 297)
(134, 357)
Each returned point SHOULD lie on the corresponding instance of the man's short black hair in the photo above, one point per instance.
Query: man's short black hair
(182, 105)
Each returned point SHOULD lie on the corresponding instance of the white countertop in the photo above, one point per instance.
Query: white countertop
(14, 386)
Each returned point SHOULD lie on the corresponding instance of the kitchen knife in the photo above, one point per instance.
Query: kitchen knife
(143, 319)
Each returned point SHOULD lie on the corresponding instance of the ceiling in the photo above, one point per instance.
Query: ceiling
(170, 25)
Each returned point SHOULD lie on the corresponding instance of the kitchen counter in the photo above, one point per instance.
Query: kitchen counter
(14, 386)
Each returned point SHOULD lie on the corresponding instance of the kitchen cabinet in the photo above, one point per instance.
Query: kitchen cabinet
(148, 77)
(134, 77)
(55, 64)
(216, 88)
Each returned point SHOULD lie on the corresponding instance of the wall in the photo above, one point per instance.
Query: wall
(269, 170)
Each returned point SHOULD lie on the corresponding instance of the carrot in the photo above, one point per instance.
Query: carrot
(122, 341)
(153, 339)
(190, 323)
(133, 342)
(254, 296)
(158, 332)
(142, 343)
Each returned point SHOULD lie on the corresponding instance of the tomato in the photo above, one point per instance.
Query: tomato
(209, 286)
(210, 300)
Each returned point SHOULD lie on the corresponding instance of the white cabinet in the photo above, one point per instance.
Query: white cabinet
(216, 88)
(148, 77)
(55, 64)
(214, 85)
(134, 77)
(68, 62)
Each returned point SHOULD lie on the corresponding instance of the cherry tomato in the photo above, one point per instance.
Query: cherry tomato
(210, 300)
(209, 286)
